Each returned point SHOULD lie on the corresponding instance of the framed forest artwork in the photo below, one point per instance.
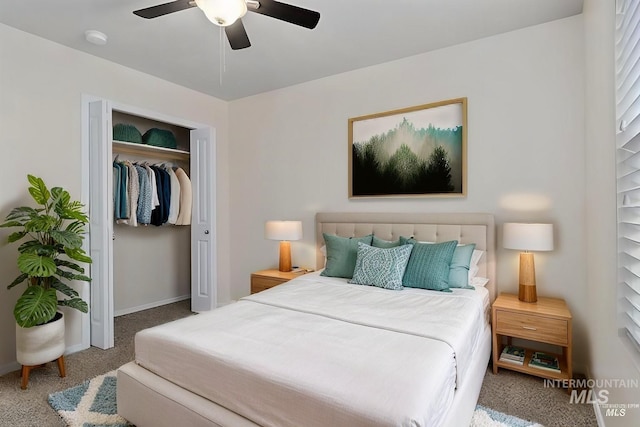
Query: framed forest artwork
(412, 152)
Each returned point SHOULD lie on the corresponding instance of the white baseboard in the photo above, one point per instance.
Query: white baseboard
(74, 349)
(598, 412)
(596, 407)
(147, 306)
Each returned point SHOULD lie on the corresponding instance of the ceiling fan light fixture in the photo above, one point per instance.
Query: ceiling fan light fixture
(223, 12)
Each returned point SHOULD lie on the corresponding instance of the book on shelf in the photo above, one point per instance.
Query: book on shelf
(512, 361)
(513, 353)
(545, 361)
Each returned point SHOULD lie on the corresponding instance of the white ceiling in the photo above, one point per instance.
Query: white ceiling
(184, 47)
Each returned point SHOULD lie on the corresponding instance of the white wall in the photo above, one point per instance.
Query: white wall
(525, 93)
(608, 357)
(41, 84)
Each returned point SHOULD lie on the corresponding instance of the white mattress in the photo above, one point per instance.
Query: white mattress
(317, 352)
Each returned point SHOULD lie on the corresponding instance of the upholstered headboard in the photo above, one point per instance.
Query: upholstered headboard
(478, 228)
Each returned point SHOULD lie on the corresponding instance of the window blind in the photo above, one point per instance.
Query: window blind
(627, 69)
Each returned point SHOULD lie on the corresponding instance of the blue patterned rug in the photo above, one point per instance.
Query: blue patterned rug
(485, 417)
(93, 404)
(90, 404)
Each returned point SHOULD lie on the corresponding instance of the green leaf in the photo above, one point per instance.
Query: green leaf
(70, 276)
(63, 288)
(21, 278)
(76, 303)
(35, 265)
(73, 210)
(36, 306)
(13, 223)
(69, 264)
(22, 213)
(66, 238)
(76, 227)
(14, 237)
(60, 199)
(38, 190)
(78, 255)
(41, 224)
(35, 247)
(77, 215)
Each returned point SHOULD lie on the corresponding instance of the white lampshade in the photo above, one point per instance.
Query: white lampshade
(527, 237)
(283, 230)
(223, 12)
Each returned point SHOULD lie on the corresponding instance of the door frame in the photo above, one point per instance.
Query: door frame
(105, 297)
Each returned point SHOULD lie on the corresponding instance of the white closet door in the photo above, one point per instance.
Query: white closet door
(101, 224)
(203, 235)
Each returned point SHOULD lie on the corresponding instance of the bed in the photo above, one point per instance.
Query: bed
(318, 351)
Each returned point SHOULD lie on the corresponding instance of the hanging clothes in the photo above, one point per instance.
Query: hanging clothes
(151, 194)
(174, 205)
(166, 194)
(160, 214)
(120, 191)
(133, 190)
(143, 212)
(124, 181)
(184, 216)
(116, 191)
(155, 202)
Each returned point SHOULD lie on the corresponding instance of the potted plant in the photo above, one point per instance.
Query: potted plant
(51, 236)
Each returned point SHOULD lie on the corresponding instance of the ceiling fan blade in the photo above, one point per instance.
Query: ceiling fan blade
(288, 13)
(237, 35)
(164, 9)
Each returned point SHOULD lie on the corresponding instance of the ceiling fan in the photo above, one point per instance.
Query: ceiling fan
(228, 14)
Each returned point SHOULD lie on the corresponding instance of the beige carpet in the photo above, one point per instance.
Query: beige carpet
(509, 392)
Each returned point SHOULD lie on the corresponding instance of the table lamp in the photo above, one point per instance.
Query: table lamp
(284, 231)
(527, 237)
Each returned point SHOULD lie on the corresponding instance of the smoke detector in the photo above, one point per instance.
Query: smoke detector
(95, 37)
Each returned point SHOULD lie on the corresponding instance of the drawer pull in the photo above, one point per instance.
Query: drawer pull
(529, 328)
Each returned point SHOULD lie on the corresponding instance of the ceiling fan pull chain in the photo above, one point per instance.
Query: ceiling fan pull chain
(221, 54)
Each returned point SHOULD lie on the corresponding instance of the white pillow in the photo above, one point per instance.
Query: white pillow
(475, 256)
(479, 281)
(473, 271)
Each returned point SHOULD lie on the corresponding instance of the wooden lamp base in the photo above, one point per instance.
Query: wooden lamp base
(527, 289)
(285, 256)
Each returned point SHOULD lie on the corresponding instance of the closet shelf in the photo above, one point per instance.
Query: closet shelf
(121, 147)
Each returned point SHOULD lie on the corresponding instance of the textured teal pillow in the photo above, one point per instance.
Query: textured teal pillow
(428, 266)
(379, 243)
(342, 253)
(381, 267)
(459, 268)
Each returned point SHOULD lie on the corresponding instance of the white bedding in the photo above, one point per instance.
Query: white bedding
(317, 351)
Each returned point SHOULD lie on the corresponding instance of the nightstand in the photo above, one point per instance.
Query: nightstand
(265, 279)
(546, 321)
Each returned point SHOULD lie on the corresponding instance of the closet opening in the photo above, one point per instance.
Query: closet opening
(165, 253)
(151, 238)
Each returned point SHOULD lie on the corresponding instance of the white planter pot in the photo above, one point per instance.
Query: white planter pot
(40, 344)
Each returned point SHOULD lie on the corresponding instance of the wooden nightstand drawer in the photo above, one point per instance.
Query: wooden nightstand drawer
(259, 283)
(265, 279)
(532, 327)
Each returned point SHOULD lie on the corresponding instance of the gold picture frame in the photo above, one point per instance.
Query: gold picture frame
(417, 151)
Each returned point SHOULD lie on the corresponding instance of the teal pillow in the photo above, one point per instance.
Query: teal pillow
(381, 267)
(428, 266)
(379, 243)
(342, 253)
(459, 268)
